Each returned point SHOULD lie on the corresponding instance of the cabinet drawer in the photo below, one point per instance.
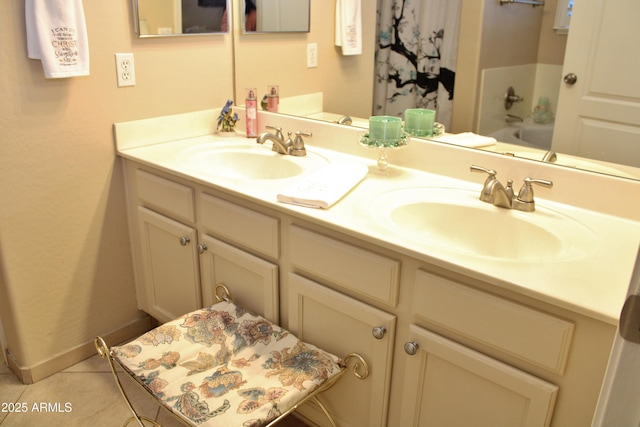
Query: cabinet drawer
(165, 196)
(353, 268)
(240, 225)
(530, 335)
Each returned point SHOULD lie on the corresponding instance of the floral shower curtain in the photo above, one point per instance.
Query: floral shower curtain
(417, 45)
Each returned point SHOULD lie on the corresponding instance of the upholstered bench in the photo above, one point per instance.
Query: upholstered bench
(224, 366)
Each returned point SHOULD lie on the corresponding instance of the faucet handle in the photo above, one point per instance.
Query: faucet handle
(525, 201)
(278, 130)
(526, 192)
(486, 195)
(298, 149)
(299, 135)
(475, 168)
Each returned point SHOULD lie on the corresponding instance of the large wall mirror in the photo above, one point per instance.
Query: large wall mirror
(489, 14)
(162, 18)
(251, 50)
(276, 16)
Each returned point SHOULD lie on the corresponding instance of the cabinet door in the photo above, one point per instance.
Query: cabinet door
(252, 281)
(170, 266)
(341, 325)
(447, 384)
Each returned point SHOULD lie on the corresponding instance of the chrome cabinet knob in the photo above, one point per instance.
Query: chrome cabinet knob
(570, 79)
(202, 248)
(379, 332)
(411, 348)
(184, 240)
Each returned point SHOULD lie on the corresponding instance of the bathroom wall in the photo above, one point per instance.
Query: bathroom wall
(65, 262)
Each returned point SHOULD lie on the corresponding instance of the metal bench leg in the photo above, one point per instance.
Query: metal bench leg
(324, 409)
(105, 353)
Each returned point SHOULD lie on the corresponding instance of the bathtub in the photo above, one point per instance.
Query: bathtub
(527, 134)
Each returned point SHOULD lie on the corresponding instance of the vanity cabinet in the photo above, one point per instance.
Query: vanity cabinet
(166, 241)
(186, 241)
(168, 254)
(447, 383)
(324, 271)
(340, 325)
(443, 347)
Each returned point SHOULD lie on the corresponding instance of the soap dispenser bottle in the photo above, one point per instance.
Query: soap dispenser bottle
(273, 98)
(251, 110)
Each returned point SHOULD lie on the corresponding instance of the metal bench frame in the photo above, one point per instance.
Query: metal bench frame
(360, 370)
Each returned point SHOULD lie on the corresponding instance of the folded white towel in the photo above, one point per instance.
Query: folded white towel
(325, 187)
(349, 26)
(57, 35)
(467, 139)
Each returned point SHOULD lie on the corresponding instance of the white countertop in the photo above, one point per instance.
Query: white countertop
(594, 285)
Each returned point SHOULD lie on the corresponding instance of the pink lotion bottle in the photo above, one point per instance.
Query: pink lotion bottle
(251, 110)
(273, 98)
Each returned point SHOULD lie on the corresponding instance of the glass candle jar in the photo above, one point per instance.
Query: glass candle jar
(385, 128)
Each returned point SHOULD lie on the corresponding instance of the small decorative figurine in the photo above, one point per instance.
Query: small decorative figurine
(227, 119)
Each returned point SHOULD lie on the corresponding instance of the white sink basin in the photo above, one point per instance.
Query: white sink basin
(454, 220)
(248, 161)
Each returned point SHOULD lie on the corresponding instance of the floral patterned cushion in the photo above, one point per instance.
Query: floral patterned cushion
(224, 366)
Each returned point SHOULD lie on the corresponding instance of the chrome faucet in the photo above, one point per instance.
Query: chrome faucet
(550, 157)
(282, 146)
(279, 144)
(504, 197)
(345, 120)
(493, 191)
(512, 118)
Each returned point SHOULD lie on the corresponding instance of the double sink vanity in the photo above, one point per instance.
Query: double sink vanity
(467, 313)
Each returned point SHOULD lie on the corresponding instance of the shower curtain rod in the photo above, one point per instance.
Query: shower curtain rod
(534, 3)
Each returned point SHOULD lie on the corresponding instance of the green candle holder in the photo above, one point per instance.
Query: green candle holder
(385, 132)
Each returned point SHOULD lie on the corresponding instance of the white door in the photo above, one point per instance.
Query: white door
(599, 115)
(619, 403)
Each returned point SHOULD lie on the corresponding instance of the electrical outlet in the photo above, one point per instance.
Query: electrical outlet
(312, 55)
(125, 69)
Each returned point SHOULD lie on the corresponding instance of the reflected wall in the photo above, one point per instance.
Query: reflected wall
(281, 59)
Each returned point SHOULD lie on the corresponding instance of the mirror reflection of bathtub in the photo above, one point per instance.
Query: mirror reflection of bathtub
(527, 134)
(533, 141)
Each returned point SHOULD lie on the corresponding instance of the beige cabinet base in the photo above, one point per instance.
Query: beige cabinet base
(170, 260)
(340, 325)
(447, 384)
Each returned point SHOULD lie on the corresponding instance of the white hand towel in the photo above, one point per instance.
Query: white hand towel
(325, 187)
(349, 26)
(468, 139)
(57, 36)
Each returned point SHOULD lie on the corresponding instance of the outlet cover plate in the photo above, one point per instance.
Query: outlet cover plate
(312, 55)
(125, 69)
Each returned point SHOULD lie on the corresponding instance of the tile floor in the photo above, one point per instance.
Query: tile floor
(81, 396)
